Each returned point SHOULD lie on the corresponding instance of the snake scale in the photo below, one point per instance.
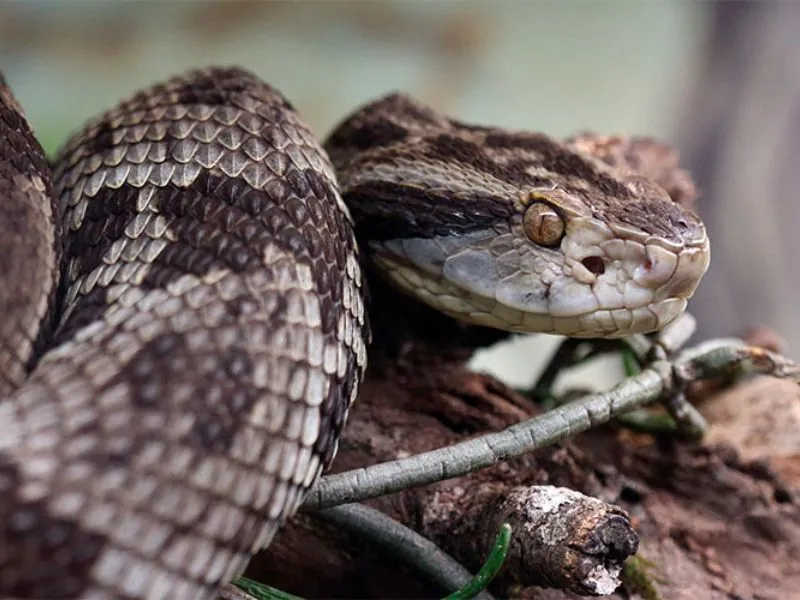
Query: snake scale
(185, 315)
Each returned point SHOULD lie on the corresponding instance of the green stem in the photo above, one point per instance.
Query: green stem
(259, 591)
(489, 569)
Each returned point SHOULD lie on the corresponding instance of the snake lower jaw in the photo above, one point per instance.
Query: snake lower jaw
(601, 323)
(618, 323)
(602, 309)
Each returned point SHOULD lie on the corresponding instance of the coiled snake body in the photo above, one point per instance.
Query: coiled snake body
(184, 321)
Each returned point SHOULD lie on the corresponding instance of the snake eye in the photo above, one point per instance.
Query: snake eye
(543, 225)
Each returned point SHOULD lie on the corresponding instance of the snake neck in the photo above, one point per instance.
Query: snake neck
(408, 335)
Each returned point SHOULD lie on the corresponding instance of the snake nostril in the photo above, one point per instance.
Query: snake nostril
(594, 264)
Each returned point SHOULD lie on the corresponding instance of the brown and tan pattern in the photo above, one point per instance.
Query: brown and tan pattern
(211, 327)
(213, 338)
(29, 244)
(442, 206)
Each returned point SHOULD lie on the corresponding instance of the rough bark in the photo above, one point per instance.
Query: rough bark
(713, 524)
(714, 520)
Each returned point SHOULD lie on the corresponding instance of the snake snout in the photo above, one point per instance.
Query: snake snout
(671, 273)
(657, 267)
(692, 265)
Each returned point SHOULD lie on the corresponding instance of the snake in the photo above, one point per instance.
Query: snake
(185, 307)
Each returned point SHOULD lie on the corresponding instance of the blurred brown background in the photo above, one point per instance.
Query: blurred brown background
(720, 80)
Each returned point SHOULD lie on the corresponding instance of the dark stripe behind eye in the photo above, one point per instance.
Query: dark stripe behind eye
(384, 211)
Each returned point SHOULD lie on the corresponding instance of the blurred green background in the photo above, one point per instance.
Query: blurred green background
(609, 66)
(556, 66)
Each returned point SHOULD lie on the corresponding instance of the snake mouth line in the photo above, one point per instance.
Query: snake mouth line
(605, 288)
(465, 305)
(599, 323)
(620, 322)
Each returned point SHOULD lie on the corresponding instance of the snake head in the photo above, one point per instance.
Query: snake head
(513, 229)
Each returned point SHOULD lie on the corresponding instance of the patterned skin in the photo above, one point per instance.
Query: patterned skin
(211, 330)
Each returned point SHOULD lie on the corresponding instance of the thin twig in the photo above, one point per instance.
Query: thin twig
(562, 358)
(570, 353)
(404, 544)
(664, 344)
(683, 417)
(689, 422)
(660, 379)
(400, 542)
(643, 420)
(675, 335)
(465, 457)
